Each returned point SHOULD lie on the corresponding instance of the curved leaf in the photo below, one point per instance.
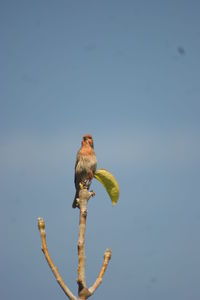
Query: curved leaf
(110, 184)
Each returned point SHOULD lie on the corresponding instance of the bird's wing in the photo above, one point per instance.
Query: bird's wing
(77, 161)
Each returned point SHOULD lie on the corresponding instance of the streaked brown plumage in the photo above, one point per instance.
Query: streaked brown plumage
(86, 164)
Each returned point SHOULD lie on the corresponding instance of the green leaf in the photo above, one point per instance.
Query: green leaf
(110, 184)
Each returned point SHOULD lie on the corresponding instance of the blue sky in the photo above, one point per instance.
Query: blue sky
(128, 73)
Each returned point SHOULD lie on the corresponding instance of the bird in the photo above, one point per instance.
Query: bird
(85, 166)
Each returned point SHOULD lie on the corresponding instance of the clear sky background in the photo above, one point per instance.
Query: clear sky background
(128, 72)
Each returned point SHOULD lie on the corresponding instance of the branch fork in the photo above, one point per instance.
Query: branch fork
(83, 291)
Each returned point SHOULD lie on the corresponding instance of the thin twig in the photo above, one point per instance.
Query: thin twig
(41, 227)
(107, 257)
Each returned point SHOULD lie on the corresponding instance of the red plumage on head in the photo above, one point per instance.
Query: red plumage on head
(87, 136)
(87, 139)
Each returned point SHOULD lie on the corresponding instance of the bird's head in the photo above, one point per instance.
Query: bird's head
(87, 139)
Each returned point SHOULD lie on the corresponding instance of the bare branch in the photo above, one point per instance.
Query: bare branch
(41, 227)
(84, 196)
(107, 257)
(83, 292)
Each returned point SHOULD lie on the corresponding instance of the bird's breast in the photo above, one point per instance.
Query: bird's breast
(86, 164)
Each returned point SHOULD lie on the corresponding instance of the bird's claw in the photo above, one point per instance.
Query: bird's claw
(85, 184)
(81, 185)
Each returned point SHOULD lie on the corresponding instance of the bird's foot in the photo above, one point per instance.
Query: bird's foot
(81, 185)
(84, 184)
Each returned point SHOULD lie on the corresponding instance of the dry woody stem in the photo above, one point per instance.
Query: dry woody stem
(84, 197)
(107, 257)
(41, 227)
(83, 291)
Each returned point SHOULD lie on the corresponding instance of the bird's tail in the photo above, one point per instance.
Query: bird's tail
(74, 204)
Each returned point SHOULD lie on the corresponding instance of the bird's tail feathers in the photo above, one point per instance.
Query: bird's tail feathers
(74, 204)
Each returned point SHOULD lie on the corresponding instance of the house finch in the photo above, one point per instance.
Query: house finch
(86, 164)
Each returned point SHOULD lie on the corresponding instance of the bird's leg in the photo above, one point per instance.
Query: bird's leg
(89, 181)
(92, 193)
(83, 184)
